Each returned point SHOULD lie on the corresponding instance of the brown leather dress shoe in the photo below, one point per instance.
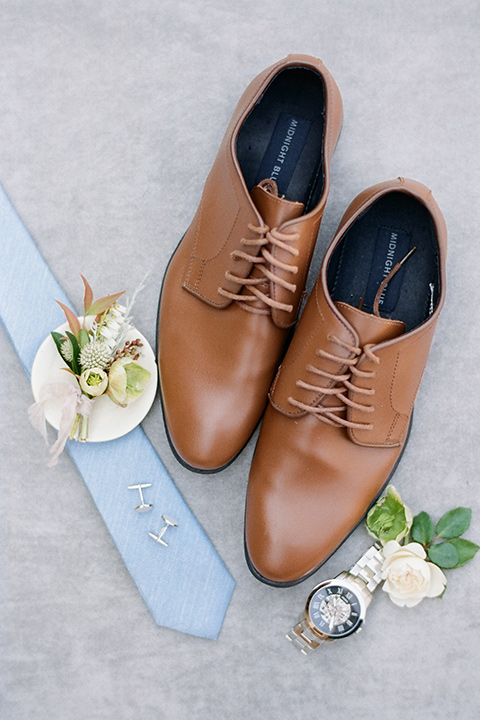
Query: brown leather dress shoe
(233, 287)
(341, 404)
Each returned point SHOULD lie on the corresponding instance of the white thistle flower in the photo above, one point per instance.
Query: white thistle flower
(95, 354)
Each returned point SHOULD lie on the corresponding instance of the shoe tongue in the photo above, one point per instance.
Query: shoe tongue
(370, 328)
(274, 209)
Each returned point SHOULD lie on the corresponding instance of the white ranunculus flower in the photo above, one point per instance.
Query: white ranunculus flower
(408, 576)
(94, 381)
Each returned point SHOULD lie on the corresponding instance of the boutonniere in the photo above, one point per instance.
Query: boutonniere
(103, 356)
(416, 549)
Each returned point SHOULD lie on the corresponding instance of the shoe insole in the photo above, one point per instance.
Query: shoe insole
(374, 244)
(283, 137)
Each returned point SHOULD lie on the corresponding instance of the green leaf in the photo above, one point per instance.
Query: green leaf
(88, 297)
(454, 523)
(83, 338)
(443, 554)
(423, 528)
(466, 550)
(71, 318)
(58, 338)
(76, 352)
(100, 306)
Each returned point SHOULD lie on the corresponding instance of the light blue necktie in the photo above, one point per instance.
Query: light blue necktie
(185, 585)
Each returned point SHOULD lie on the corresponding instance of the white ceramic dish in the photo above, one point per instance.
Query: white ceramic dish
(107, 420)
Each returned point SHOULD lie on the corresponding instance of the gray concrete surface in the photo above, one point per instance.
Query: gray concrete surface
(110, 116)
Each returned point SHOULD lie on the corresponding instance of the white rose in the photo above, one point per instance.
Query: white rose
(408, 576)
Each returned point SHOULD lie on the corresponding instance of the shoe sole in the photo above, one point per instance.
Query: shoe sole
(272, 583)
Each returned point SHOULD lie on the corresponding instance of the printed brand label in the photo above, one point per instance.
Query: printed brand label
(390, 248)
(283, 151)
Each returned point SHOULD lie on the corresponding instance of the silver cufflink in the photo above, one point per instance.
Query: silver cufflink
(143, 507)
(169, 522)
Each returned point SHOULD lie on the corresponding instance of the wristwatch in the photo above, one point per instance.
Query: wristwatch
(336, 608)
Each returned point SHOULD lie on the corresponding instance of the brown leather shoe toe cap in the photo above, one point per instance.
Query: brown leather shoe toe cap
(301, 502)
(204, 436)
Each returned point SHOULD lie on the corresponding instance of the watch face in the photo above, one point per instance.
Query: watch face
(335, 610)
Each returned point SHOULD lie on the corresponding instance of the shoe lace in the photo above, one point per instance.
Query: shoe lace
(266, 239)
(341, 384)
